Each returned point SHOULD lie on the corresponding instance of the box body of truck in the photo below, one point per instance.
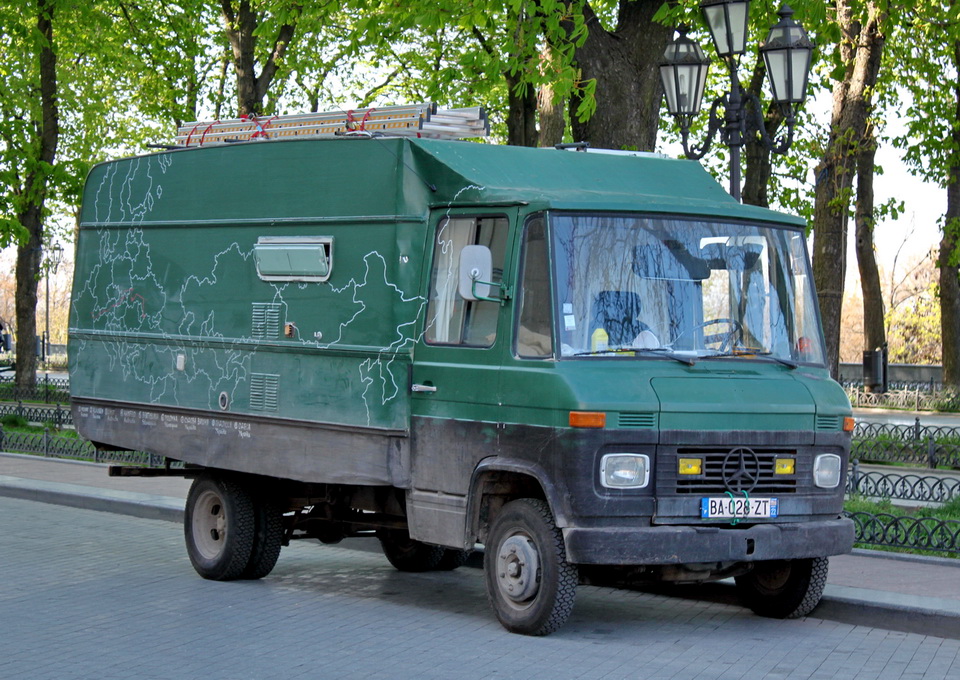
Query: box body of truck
(579, 359)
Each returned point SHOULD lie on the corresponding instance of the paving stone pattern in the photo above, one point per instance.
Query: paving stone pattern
(95, 595)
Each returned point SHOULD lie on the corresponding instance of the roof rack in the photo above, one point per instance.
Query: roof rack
(418, 120)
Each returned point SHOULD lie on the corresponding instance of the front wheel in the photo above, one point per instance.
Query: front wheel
(530, 585)
(784, 589)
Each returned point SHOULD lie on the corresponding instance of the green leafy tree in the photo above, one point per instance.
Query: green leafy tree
(259, 32)
(487, 52)
(58, 99)
(860, 52)
(617, 57)
(927, 46)
(173, 61)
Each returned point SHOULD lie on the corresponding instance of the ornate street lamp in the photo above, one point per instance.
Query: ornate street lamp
(727, 21)
(684, 76)
(683, 71)
(787, 53)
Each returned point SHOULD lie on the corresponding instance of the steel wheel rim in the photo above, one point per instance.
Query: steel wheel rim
(209, 525)
(773, 580)
(518, 570)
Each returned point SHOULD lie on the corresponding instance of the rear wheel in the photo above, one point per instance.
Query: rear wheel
(219, 528)
(408, 554)
(784, 589)
(530, 585)
(452, 559)
(267, 539)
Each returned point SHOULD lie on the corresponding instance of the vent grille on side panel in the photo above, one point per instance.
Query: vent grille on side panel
(828, 422)
(264, 391)
(638, 420)
(266, 321)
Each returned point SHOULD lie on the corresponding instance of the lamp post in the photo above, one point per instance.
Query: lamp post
(786, 53)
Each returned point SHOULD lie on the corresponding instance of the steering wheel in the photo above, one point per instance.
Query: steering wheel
(726, 339)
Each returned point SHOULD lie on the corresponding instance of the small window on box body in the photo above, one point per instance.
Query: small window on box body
(294, 258)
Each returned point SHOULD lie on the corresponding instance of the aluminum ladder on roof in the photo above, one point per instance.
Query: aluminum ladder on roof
(418, 120)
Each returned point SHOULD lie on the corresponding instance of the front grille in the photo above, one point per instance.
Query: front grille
(711, 481)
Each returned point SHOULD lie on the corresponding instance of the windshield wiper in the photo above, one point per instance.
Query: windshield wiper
(746, 352)
(659, 351)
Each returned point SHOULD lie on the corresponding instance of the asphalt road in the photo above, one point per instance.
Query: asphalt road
(88, 594)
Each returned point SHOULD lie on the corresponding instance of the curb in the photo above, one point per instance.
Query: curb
(146, 506)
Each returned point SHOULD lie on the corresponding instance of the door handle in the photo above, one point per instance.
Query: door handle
(422, 388)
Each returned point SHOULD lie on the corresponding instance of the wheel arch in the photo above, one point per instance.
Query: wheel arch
(497, 481)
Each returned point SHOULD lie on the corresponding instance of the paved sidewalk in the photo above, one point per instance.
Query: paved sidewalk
(897, 592)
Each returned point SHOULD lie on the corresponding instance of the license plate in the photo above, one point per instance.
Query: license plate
(743, 508)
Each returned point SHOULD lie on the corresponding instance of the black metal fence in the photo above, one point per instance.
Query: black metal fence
(922, 396)
(47, 390)
(72, 448)
(902, 487)
(58, 415)
(913, 533)
(917, 445)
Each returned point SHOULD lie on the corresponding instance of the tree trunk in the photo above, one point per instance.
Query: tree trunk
(949, 256)
(31, 215)
(759, 163)
(522, 113)
(874, 331)
(240, 24)
(550, 114)
(950, 291)
(874, 328)
(861, 48)
(624, 64)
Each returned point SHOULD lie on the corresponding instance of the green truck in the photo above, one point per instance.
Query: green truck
(587, 363)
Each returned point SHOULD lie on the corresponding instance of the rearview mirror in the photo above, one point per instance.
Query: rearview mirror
(476, 269)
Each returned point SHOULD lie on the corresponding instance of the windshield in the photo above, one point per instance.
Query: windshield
(683, 287)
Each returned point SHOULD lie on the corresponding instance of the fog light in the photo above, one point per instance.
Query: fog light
(624, 471)
(690, 466)
(785, 466)
(826, 471)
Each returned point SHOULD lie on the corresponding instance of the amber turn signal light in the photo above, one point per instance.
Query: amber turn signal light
(588, 419)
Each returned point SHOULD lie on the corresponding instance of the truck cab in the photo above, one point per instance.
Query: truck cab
(657, 380)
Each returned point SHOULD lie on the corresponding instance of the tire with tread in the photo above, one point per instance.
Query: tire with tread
(452, 559)
(267, 540)
(219, 527)
(530, 585)
(408, 554)
(784, 589)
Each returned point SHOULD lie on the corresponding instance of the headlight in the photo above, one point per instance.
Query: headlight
(826, 471)
(624, 470)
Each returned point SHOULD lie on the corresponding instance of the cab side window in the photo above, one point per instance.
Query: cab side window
(451, 320)
(535, 324)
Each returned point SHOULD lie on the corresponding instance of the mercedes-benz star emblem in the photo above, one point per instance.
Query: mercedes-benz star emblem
(741, 470)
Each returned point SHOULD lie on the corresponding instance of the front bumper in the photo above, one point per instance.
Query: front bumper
(692, 544)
